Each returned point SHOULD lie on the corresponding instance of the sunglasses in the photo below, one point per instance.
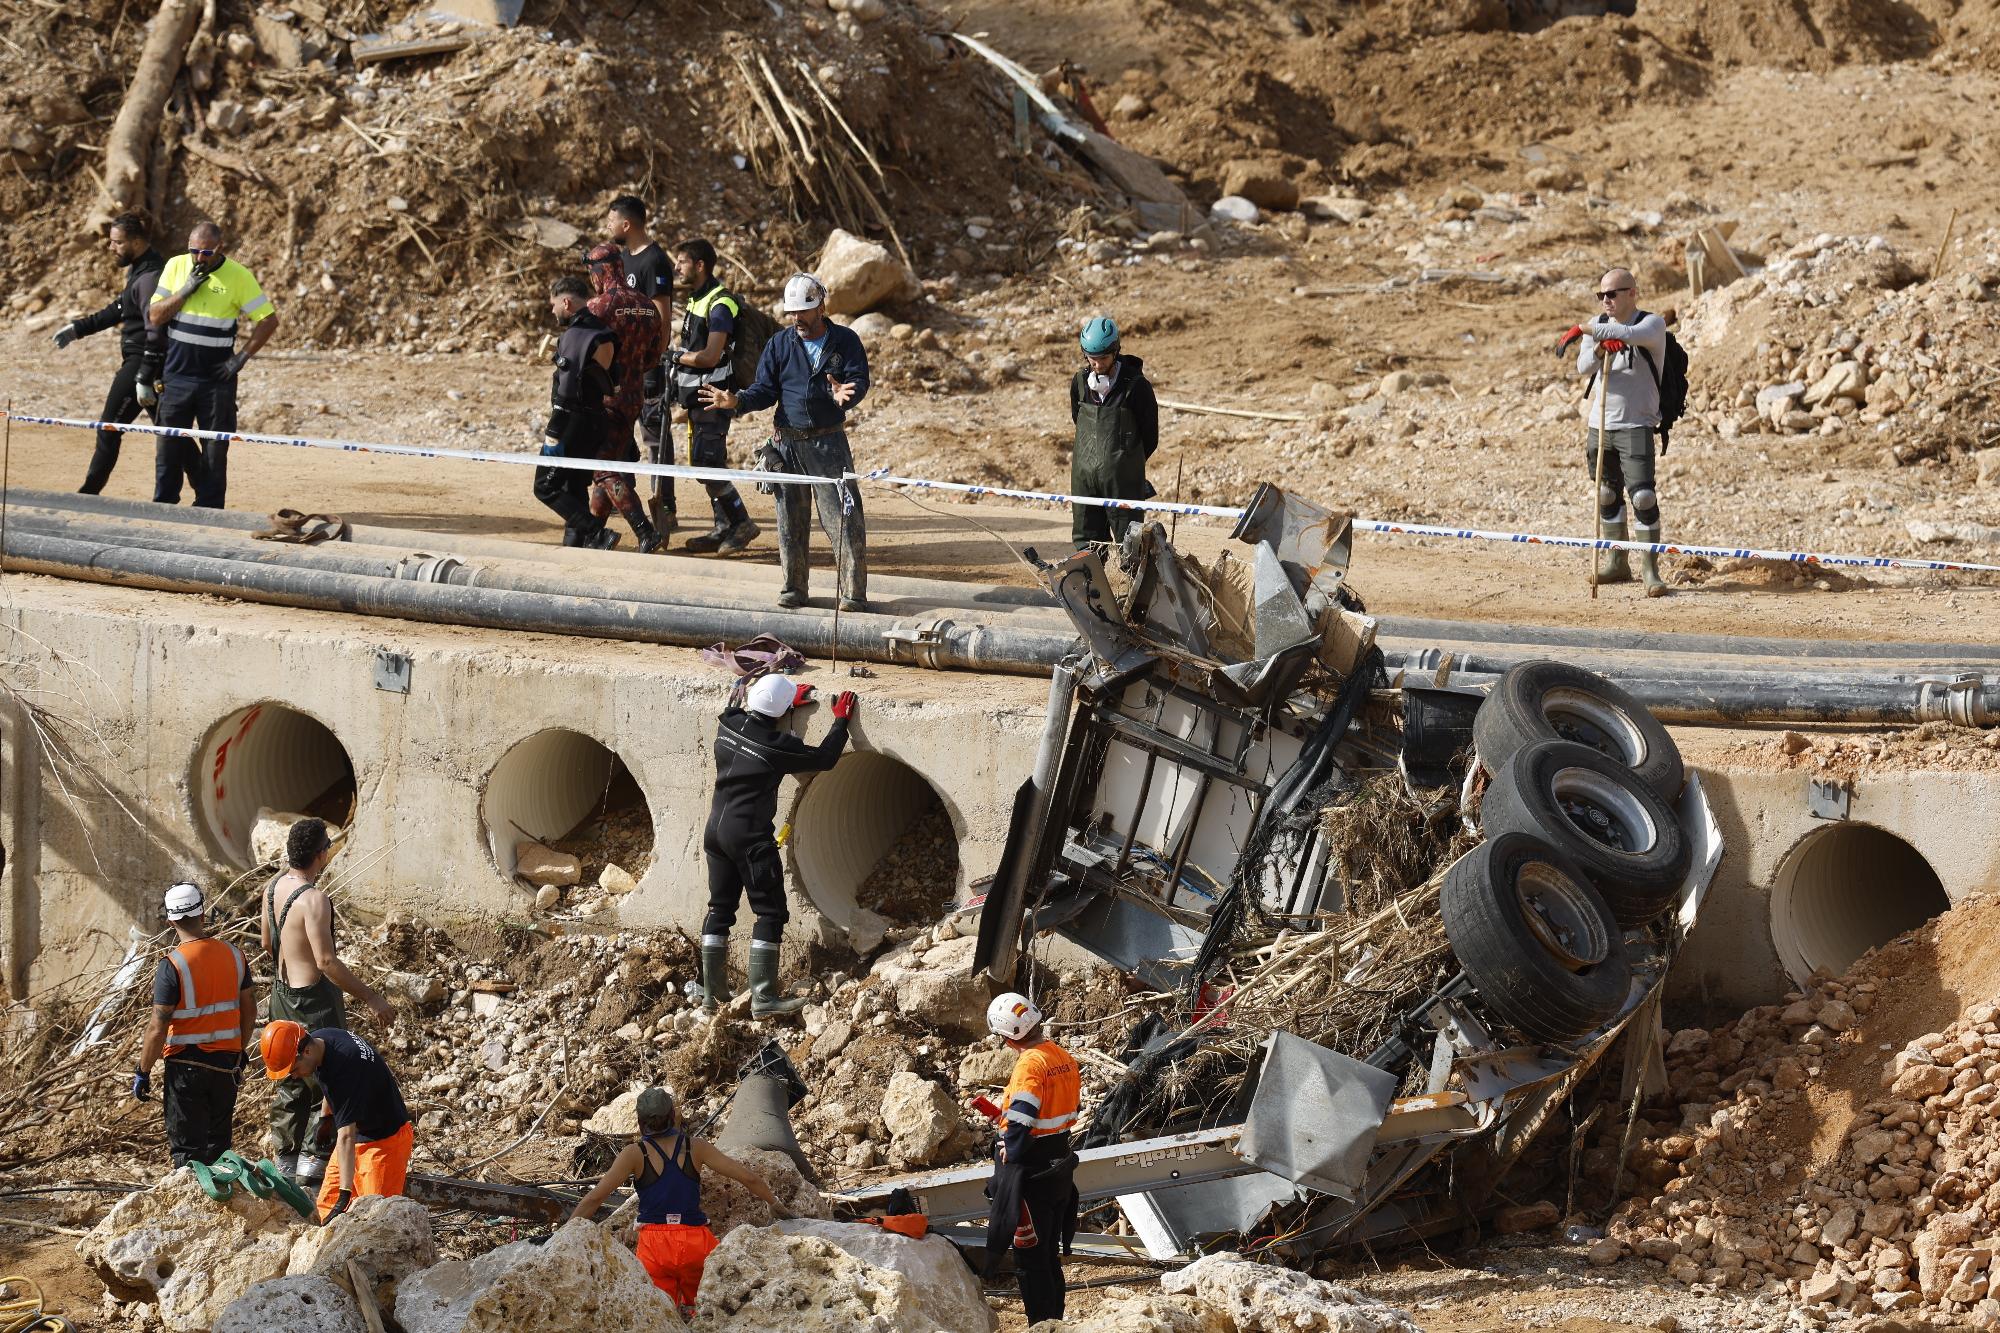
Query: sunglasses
(1613, 293)
(199, 251)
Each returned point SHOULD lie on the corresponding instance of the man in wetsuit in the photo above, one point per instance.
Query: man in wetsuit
(298, 933)
(141, 347)
(752, 756)
(664, 1168)
(577, 422)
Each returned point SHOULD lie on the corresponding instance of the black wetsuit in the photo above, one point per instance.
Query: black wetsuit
(752, 756)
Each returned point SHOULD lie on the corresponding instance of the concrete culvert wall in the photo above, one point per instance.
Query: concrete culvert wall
(548, 785)
(872, 814)
(1845, 889)
(269, 755)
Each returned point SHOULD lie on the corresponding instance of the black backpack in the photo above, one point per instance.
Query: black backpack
(1671, 383)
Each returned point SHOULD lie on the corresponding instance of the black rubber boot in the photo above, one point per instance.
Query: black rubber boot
(706, 543)
(649, 537)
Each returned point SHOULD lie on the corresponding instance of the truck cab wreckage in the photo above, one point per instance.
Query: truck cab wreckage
(1355, 1056)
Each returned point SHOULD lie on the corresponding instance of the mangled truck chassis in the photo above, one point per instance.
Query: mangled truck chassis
(1172, 800)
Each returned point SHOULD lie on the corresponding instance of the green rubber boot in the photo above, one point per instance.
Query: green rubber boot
(766, 1000)
(1611, 565)
(1649, 563)
(714, 973)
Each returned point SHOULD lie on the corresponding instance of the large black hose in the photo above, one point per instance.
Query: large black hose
(862, 635)
(1499, 635)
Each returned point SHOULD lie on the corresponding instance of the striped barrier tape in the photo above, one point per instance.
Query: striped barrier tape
(884, 477)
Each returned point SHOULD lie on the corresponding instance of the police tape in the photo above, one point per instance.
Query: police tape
(1673, 548)
(437, 451)
(883, 476)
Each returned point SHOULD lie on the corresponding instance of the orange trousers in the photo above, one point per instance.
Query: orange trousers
(673, 1257)
(382, 1166)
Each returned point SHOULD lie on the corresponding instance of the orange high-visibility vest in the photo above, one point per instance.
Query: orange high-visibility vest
(1047, 1080)
(209, 1014)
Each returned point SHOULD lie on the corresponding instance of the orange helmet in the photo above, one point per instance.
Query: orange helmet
(280, 1046)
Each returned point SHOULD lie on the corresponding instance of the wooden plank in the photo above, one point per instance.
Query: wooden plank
(374, 48)
(364, 1296)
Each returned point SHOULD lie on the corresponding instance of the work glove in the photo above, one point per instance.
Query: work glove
(1574, 332)
(234, 366)
(802, 696)
(65, 335)
(340, 1203)
(323, 1136)
(142, 1084)
(1613, 344)
(843, 705)
(147, 392)
(196, 277)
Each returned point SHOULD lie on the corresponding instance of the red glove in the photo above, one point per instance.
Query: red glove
(1613, 344)
(1575, 332)
(843, 705)
(803, 697)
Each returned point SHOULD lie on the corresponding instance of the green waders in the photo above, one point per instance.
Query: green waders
(1108, 460)
(295, 1107)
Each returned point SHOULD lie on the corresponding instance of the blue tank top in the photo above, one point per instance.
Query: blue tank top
(672, 1195)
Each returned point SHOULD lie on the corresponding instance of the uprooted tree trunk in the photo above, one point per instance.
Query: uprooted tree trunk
(130, 144)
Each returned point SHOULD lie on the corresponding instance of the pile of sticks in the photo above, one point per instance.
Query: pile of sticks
(812, 151)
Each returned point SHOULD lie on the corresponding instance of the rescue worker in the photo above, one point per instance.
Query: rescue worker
(704, 356)
(298, 933)
(577, 419)
(752, 756)
(664, 1167)
(651, 274)
(203, 1005)
(814, 373)
(363, 1120)
(1628, 392)
(638, 336)
(201, 299)
(1034, 1199)
(141, 347)
(1117, 429)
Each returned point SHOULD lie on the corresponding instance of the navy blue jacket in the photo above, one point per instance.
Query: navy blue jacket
(785, 377)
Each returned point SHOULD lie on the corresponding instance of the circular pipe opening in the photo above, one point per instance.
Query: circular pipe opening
(1845, 889)
(872, 834)
(269, 757)
(572, 793)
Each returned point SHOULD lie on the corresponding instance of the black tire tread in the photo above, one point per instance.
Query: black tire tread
(1512, 719)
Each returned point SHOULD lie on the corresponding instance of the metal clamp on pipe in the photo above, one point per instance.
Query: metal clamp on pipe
(1960, 700)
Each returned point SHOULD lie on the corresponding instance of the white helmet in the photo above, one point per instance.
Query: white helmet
(804, 292)
(183, 901)
(771, 696)
(1012, 1016)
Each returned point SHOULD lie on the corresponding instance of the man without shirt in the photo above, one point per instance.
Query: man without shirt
(1626, 386)
(298, 933)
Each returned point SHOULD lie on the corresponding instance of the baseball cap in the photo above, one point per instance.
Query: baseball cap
(655, 1107)
(772, 696)
(184, 900)
(804, 292)
(279, 1045)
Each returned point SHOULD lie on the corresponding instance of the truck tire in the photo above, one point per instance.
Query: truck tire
(1546, 701)
(1536, 941)
(1597, 814)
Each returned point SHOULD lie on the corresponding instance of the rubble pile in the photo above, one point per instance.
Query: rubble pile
(914, 882)
(1229, 1293)
(1835, 1147)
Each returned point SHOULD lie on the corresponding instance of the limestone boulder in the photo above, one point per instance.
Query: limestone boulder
(921, 1118)
(581, 1277)
(986, 1067)
(1262, 183)
(760, 1279)
(544, 866)
(1260, 1298)
(938, 987)
(951, 1297)
(294, 1305)
(387, 1238)
(271, 828)
(1120, 1310)
(197, 1256)
(861, 274)
(617, 1118)
(730, 1206)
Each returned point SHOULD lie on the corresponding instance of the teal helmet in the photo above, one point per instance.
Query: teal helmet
(1099, 336)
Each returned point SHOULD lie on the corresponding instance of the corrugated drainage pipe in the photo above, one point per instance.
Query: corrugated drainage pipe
(1845, 889)
(846, 820)
(267, 755)
(541, 790)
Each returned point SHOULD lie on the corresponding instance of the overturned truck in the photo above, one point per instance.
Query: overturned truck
(1389, 925)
